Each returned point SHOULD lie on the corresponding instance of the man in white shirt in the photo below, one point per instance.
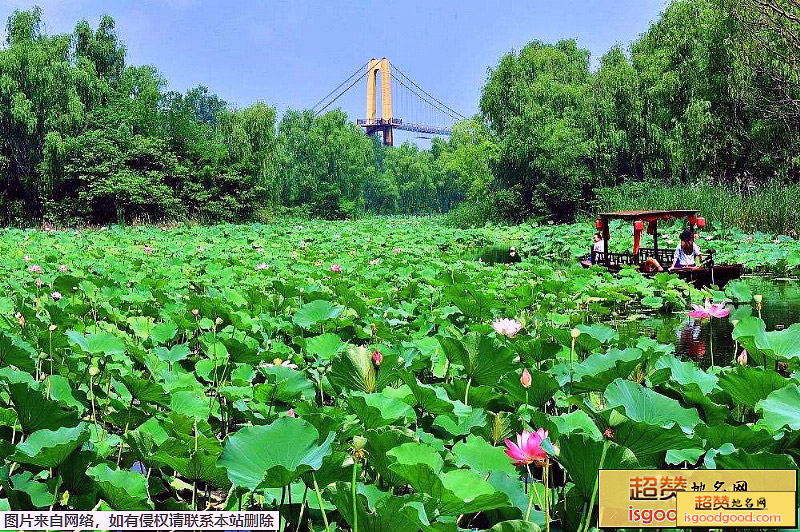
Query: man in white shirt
(687, 254)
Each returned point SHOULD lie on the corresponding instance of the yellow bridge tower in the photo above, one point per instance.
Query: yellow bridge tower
(372, 124)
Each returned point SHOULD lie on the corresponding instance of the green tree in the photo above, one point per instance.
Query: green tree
(536, 103)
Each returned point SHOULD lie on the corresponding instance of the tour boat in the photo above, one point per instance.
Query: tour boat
(707, 273)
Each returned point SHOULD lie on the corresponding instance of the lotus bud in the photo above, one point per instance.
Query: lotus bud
(742, 358)
(290, 413)
(575, 332)
(526, 379)
(52, 328)
(377, 357)
(359, 442)
(195, 312)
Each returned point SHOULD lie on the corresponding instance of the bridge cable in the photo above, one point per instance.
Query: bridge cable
(427, 93)
(340, 85)
(317, 113)
(431, 104)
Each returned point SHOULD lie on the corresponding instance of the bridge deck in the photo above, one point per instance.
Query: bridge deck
(397, 123)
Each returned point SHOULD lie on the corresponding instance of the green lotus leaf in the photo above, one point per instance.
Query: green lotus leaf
(740, 459)
(543, 387)
(748, 385)
(122, 490)
(432, 399)
(484, 360)
(648, 442)
(597, 371)
(457, 491)
(36, 412)
(163, 333)
(515, 526)
(191, 405)
(14, 351)
(645, 405)
(581, 456)
(381, 511)
(750, 438)
(685, 373)
(273, 455)
(781, 408)
(602, 333)
(174, 354)
(751, 333)
(49, 448)
(353, 370)
(316, 312)
(463, 423)
(38, 492)
(325, 345)
(379, 409)
(480, 456)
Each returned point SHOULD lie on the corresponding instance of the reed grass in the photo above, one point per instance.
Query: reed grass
(773, 208)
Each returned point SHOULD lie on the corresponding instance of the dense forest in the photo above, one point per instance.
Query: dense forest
(711, 92)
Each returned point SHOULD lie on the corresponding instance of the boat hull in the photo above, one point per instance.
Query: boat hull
(718, 275)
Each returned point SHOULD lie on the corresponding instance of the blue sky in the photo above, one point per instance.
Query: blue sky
(291, 53)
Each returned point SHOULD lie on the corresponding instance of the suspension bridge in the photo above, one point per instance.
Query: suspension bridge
(403, 104)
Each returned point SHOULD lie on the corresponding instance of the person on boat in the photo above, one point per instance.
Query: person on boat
(651, 265)
(599, 246)
(687, 254)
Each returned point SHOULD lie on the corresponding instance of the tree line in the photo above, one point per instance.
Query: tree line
(711, 91)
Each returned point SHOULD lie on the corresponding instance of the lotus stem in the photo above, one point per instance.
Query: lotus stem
(466, 392)
(594, 489)
(546, 478)
(530, 494)
(302, 509)
(319, 501)
(711, 340)
(353, 493)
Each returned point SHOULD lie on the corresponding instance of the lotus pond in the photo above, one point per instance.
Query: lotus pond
(366, 375)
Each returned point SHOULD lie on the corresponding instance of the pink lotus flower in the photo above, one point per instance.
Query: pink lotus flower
(507, 327)
(528, 448)
(56, 296)
(35, 268)
(262, 266)
(526, 379)
(742, 358)
(709, 310)
(336, 268)
(62, 268)
(148, 250)
(290, 413)
(377, 357)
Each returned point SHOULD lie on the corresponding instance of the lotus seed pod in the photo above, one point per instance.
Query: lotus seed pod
(575, 332)
(758, 298)
(93, 371)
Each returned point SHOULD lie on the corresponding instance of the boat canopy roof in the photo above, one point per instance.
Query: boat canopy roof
(638, 215)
